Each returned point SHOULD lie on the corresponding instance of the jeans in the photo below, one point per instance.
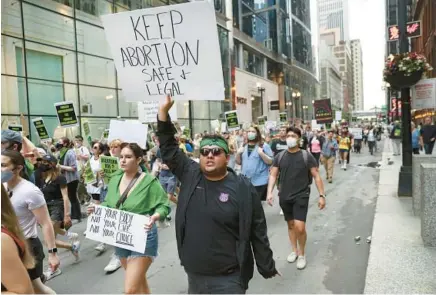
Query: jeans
(371, 145)
(428, 147)
(219, 284)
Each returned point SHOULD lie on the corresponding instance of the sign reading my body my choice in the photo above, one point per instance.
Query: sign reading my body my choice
(66, 114)
(232, 120)
(163, 50)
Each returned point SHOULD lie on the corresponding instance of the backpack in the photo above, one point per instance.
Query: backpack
(305, 158)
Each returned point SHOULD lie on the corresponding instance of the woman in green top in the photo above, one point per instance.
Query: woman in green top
(146, 197)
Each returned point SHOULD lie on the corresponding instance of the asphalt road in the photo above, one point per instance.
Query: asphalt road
(335, 262)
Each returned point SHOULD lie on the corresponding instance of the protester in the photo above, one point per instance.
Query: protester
(328, 155)
(215, 249)
(428, 136)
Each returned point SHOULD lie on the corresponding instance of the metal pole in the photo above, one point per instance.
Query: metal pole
(405, 177)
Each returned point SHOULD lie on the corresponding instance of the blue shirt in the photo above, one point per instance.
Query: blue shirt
(254, 167)
(415, 139)
(327, 150)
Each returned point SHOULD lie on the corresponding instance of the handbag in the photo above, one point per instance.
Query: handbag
(128, 188)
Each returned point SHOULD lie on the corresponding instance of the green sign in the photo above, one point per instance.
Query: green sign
(109, 165)
(66, 114)
(106, 134)
(89, 174)
(283, 117)
(187, 132)
(16, 127)
(232, 120)
(40, 128)
(87, 132)
(261, 120)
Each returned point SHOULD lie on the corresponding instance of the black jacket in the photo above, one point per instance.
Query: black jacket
(253, 237)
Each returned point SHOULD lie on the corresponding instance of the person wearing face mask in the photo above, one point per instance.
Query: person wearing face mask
(82, 156)
(255, 160)
(328, 154)
(296, 168)
(215, 248)
(54, 187)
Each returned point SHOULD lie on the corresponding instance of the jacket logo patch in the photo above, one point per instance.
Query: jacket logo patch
(224, 197)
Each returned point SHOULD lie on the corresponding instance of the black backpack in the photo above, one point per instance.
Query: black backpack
(305, 157)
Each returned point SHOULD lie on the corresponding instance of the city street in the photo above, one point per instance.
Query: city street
(336, 263)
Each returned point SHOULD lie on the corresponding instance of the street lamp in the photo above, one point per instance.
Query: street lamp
(296, 95)
(313, 109)
(261, 90)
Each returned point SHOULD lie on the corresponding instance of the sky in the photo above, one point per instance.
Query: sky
(367, 23)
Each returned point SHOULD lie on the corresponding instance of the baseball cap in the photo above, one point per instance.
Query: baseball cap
(49, 158)
(9, 135)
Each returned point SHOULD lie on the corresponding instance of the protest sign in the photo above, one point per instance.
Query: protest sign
(89, 174)
(15, 127)
(147, 112)
(232, 120)
(357, 132)
(40, 128)
(109, 165)
(66, 114)
(105, 134)
(87, 132)
(283, 117)
(117, 228)
(167, 50)
(261, 120)
(338, 115)
(269, 125)
(323, 111)
(128, 131)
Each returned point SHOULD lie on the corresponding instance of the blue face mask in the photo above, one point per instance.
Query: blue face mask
(7, 175)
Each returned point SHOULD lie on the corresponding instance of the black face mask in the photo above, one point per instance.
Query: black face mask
(59, 146)
(44, 167)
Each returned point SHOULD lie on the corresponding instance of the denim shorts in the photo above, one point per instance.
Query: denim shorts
(150, 247)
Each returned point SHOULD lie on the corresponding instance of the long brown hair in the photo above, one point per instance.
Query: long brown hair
(17, 159)
(10, 222)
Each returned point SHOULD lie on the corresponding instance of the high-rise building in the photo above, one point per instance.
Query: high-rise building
(356, 59)
(330, 77)
(333, 14)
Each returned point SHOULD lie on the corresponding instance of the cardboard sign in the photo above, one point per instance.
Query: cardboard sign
(357, 132)
(109, 165)
(66, 114)
(117, 228)
(40, 128)
(89, 174)
(283, 117)
(16, 127)
(128, 131)
(232, 120)
(170, 49)
(147, 112)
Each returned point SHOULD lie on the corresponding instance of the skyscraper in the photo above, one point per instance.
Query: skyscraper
(357, 66)
(333, 14)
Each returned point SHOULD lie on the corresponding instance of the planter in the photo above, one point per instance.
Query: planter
(399, 80)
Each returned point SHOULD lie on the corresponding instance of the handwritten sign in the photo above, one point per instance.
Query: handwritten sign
(109, 165)
(117, 228)
(40, 128)
(171, 49)
(147, 112)
(232, 120)
(66, 114)
(357, 132)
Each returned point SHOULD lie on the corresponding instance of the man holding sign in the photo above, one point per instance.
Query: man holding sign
(215, 249)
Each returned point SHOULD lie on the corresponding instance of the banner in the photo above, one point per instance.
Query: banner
(89, 174)
(117, 228)
(147, 112)
(41, 130)
(171, 49)
(323, 111)
(16, 127)
(232, 120)
(66, 114)
(109, 165)
(283, 117)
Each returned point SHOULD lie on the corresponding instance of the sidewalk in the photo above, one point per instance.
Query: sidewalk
(398, 261)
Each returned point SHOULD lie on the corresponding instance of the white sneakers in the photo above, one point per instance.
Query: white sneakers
(113, 264)
(100, 248)
(301, 260)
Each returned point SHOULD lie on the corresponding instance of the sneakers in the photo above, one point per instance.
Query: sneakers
(100, 248)
(73, 236)
(49, 274)
(301, 262)
(292, 257)
(75, 248)
(281, 212)
(113, 264)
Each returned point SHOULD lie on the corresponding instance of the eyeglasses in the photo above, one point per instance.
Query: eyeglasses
(215, 151)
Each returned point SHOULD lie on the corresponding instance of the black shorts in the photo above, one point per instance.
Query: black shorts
(37, 251)
(262, 191)
(295, 209)
(56, 210)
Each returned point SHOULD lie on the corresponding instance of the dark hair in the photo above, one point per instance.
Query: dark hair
(258, 134)
(67, 142)
(294, 130)
(100, 146)
(18, 160)
(104, 147)
(134, 147)
(79, 137)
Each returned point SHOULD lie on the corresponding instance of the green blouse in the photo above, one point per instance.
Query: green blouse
(146, 198)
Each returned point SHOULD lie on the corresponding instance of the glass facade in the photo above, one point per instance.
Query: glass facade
(55, 50)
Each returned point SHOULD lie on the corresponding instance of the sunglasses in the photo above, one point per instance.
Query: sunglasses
(215, 151)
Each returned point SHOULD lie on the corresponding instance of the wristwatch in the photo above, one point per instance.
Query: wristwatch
(322, 196)
(54, 250)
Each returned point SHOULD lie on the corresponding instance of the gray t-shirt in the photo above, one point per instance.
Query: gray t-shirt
(295, 175)
(27, 197)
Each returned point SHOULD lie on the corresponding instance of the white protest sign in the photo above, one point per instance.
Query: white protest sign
(117, 228)
(315, 126)
(147, 112)
(128, 131)
(424, 94)
(357, 132)
(171, 49)
(338, 115)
